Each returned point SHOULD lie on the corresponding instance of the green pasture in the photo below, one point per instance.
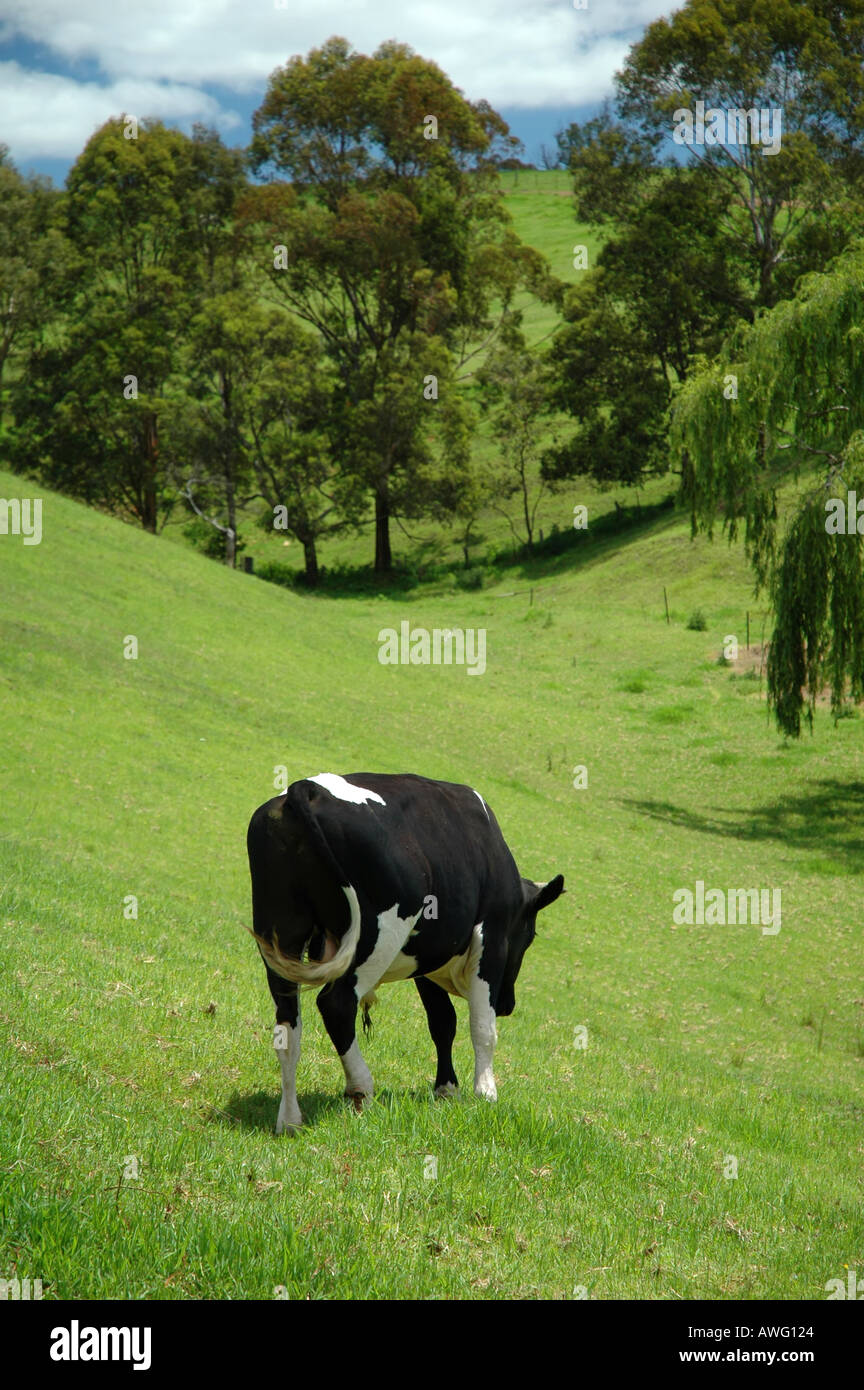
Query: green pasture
(137, 1152)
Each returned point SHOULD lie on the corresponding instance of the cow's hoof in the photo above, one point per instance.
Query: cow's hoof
(359, 1098)
(447, 1090)
(289, 1126)
(486, 1092)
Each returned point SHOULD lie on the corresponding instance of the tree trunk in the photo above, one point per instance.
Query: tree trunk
(3, 355)
(526, 510)
(766, 269)
(231, 533)
(311, 557)
(225, 394)
(466, 544)
(383, 557)
(150, 509)
(761, 444)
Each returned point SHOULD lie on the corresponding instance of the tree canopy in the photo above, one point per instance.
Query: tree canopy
(784, 404)
(390, 239)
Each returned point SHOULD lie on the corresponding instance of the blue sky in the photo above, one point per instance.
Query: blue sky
(67, 65)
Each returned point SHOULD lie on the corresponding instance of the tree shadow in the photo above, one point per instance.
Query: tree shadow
(827, 821)
(566, 552)
(419, 574)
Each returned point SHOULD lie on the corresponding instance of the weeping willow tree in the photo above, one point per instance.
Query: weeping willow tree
(783, 408)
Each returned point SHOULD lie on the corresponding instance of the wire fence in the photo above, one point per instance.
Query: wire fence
(755, 619)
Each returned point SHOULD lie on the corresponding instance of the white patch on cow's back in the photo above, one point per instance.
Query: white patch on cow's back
(345, 791)
(393, 932)
(457, 974)
(482, 802)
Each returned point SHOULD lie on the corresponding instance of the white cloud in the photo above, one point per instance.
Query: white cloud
(533, 51)
(159, 54)
(47, 117)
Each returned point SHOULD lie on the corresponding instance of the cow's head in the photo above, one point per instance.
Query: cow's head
(522, 932)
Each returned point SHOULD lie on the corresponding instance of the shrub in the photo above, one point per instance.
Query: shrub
(275, 572)
(207, 539)
(473, 578)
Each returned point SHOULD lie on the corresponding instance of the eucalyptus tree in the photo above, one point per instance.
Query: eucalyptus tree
(767, 100)
(35, 262)
(764, 108)
(145, 209)
(382, 226)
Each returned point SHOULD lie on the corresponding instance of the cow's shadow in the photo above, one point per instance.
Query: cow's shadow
(258, 1109)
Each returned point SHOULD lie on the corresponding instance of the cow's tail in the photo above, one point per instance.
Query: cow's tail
(339, 951)
(312, 972)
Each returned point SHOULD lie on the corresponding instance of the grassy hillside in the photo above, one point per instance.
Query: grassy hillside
(601, 1168)
(540, 204)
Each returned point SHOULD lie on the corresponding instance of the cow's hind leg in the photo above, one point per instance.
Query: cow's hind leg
(338, 1006)
(286, 1040)
(441, 1017)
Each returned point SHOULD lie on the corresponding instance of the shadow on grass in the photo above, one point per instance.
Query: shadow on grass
(558, 554)
(258, 1109)
(828, 821)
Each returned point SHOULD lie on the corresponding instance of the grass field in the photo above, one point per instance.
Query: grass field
(144, 1044)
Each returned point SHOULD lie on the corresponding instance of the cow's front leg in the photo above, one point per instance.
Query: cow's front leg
(338, 1006)
(441, 1017)
(484, 1035)
(286, 1041)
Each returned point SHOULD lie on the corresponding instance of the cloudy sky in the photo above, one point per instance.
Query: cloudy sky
(67, 65)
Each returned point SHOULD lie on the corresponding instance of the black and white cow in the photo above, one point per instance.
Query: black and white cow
(363, 879)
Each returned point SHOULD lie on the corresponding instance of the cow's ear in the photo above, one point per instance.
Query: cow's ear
(548, 892)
